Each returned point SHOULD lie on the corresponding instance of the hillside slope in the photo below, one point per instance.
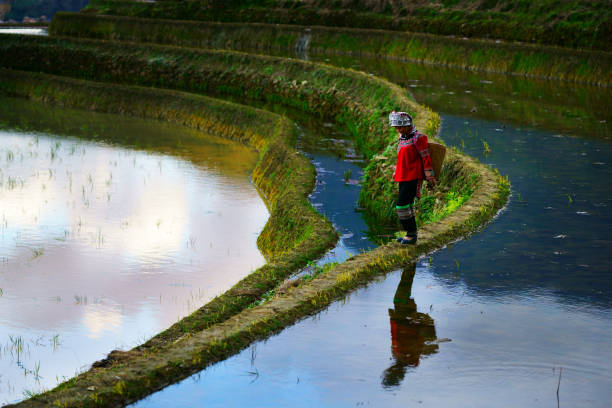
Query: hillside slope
(568, 23)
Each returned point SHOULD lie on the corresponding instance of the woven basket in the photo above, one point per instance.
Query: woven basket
(437, 153)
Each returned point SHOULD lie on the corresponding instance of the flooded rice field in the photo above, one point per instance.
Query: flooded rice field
(518, 314)
(111, 229)
(24, 30)
(337, 190)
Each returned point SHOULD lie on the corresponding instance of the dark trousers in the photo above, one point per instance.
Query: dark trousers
(405, 206)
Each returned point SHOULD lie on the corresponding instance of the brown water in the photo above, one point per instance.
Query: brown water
(103, 243)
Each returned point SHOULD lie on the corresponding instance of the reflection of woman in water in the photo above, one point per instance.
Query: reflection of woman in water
(411, 331)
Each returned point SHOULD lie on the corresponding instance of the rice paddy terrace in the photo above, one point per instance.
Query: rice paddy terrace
(92, 67)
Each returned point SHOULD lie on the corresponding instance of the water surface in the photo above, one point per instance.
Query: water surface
(24, 31)
(102, 246)
(519, 310)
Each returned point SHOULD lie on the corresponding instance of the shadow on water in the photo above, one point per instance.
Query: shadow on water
(408, 335)
(412, 333)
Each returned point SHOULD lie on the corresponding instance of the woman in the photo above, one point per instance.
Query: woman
(413, 166)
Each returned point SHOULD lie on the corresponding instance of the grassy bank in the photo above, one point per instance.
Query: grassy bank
(570, 109)
(222, 328)
(593, 67)
(295, 232)
(356, 101)
(567, 23)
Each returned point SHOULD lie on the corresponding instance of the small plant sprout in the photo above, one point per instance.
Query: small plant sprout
(485, 148)
(100, 238)
(569, 200)
(36, 372)
(55, 342)
(37, 253)
(29, 393)
(347, 175)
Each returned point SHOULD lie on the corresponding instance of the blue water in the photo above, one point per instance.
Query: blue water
(555, 236)
(519, 313)
(337, 189)
(523, 301)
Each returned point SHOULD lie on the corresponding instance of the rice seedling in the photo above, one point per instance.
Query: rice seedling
(29, 393)
(80, 300)
(191, 243)
(16, 347)
(36, 371)
(347, 175)
(100, 238)
(55, 343)
(486, 150)
(37, 253)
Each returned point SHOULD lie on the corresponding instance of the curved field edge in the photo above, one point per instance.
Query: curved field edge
(125, 377)
(357, 102)
(136, 373)
(592, 67)
(295, 232)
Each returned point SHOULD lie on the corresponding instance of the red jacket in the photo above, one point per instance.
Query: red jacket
(413, 160)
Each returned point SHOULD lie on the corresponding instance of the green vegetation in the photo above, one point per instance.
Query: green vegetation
(295, 233)
(567, 23)
(314, 88)
(354, 100)
(221, 328)
(569, 109)
(550, 62)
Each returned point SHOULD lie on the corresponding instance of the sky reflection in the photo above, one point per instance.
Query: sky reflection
(103, 247)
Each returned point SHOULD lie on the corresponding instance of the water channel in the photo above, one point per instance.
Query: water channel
(112, 228)
(519, 314)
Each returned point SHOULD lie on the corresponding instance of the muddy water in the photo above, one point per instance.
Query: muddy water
(520, 313)
(109, 237)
